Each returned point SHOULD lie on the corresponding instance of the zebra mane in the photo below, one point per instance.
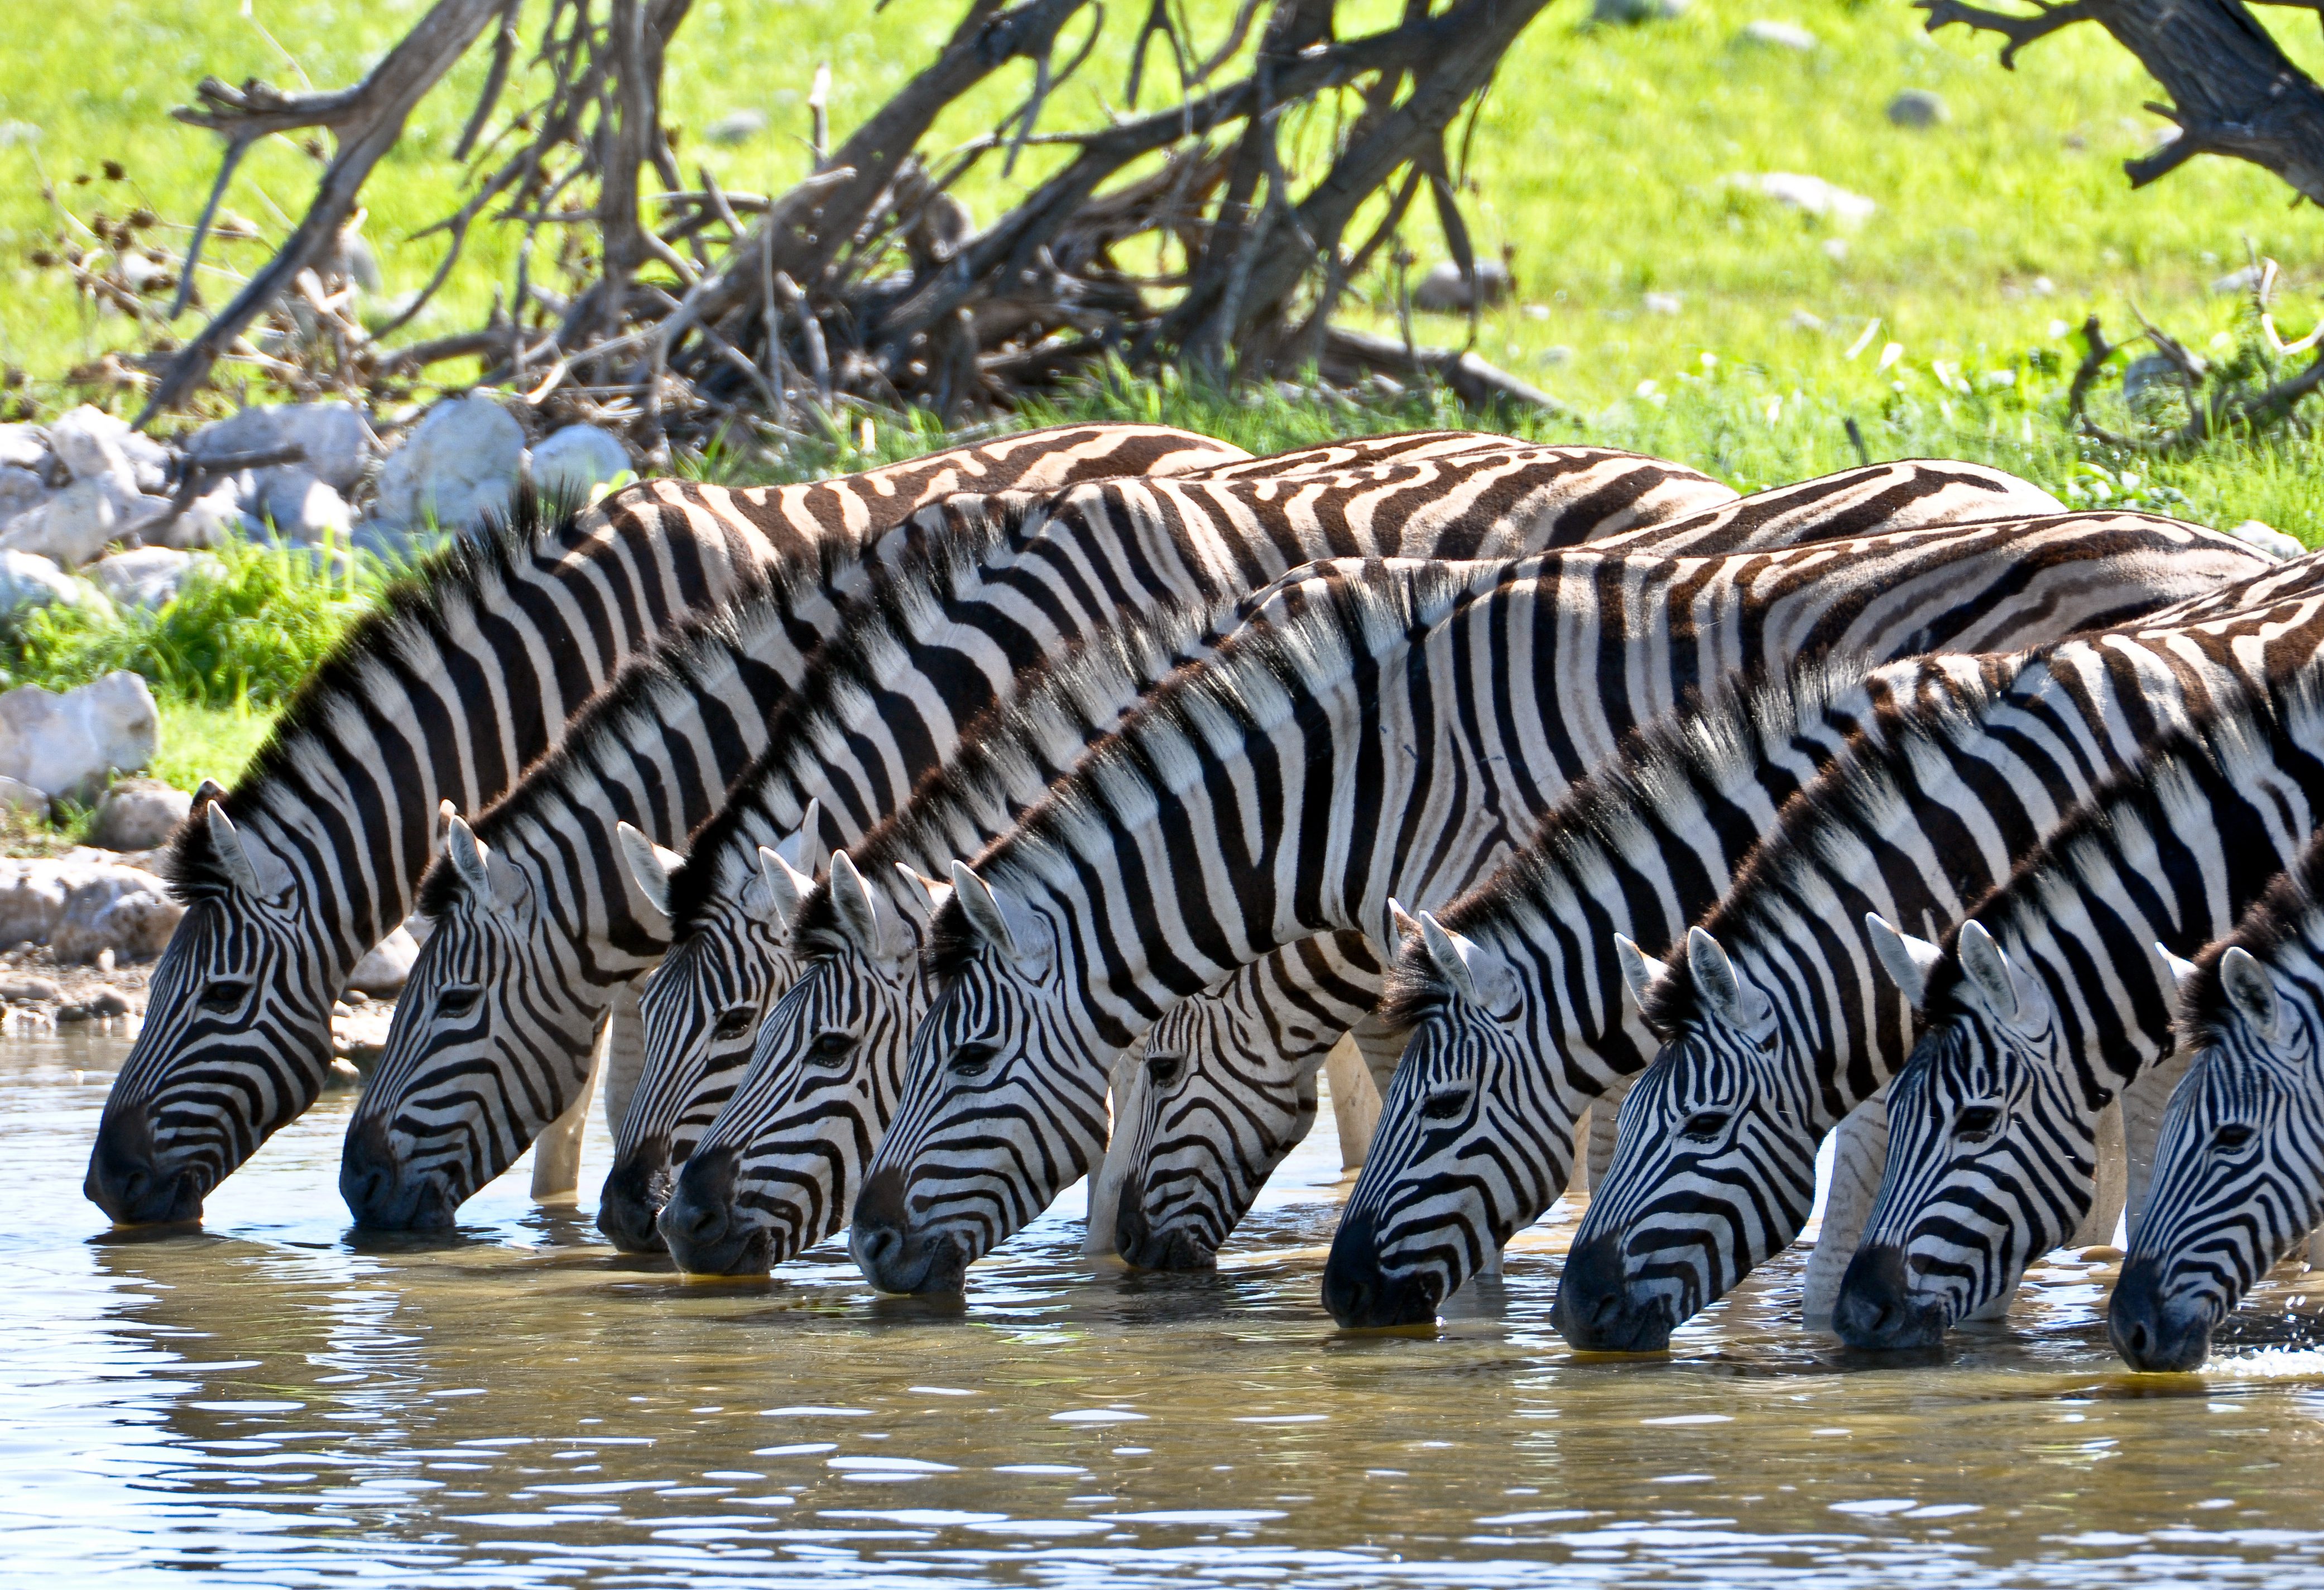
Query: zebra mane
(2088, 845)
(1856, 791)
(2285, 916)
(1008, 747)
(1717, 734)
(419, 607)
(639, 698)
(1320, 625)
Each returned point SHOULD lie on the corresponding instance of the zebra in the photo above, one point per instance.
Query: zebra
(1776, 1024)
(726, 965)
(1439, 1195)
(2054, 995)
(541, 927)
(779, 1165)
(461, 676)
(2239, 1167)
(1372, 743)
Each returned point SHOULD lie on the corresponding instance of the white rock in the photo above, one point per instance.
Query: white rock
(206, 522)
(337, 441)
(736, 127)
(2266, 538)
(148, 577)
(1445, 291)
(23, 797)
(24, 447)
(572, 460)
(76, 523)
(1665, 304)
(1805, 320)
(27, 579)
(2247, 280)
(72, 744)
(86, 903)
(20, 490)
(1812, 194)
(1783, 35)
(459, 464)
(90, 442)
(383, 973)
(302, 508)
(1919, 108)
(138, 814)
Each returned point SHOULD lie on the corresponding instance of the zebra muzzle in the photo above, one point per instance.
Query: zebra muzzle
(2152, 1332)
(630, 1206)
(1595, 1310)
(1880, 1310)
(700, 1222)
(1360, 1292)
(127, 1182)
(378, 1192)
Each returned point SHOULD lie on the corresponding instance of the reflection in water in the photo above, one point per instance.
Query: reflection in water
(271, 1401)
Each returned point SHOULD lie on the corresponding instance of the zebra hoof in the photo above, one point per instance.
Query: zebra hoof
(1594, 1311)
(1879, 1311)
(2152, 1335)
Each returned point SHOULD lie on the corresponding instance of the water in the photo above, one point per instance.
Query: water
(277, 1402)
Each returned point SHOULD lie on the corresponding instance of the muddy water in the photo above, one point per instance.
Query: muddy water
(275, 1400)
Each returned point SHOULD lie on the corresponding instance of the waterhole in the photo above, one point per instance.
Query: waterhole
(275, 1399)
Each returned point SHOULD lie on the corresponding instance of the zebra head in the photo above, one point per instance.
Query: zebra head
(1713, 1169)
(1992, 1144)
(1468, 1149)
(1004, 1097)
(485, 1048)
(700, 1012)
(775, 1173)
(237, 1040)
(1229, 1089)
(2239, 1167)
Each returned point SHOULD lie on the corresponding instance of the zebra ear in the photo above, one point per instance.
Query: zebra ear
(445, 812)
(1477, 975)
(211, 790)
(2252, 991)
(2180, 968)
(1397, 925)
(858, 909)
(485, 871)
(988, 916)
(1732, 1000)
(234, 857)
(1986, 969)
(921, 898)
(774, 895)
(1640, 971)
(650, 867)
(804, 850)
(1907, 960)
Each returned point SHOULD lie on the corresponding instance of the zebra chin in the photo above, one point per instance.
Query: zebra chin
(128, 1181)
(1597, 1311)
(383, 1195)
(1362, 1295)
(1174, 1247)
(1878, 1309)
(706, 1235)
(631, 1203)
(892, 1256)
(2155, 1333)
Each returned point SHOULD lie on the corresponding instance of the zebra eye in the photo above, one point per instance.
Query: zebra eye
(460, 999)
(734, 1024)
(1447, 1103)
(225, 996)
(973, 1060)
(1163, 1070)
(1767, 1044)
(1704, 1126)
(2229, 1139)
(831, 1048)
(1978, 1120)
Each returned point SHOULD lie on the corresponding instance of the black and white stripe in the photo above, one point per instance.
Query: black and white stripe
(2054, 996)
(544, 929)
(466, 675)
(1377, 738)
(727, 963)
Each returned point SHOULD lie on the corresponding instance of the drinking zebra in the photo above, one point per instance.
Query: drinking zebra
(1372, 744)
(463, 677)
(726, 963)
(1776, 1022)
(540, 928)
(2052, 997)
(2239, 1166)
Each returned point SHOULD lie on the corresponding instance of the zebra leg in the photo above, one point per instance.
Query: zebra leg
(2096, 1228)
(1355, 1102)
(622, 1043)
(557, 1152)
(1605, 1118)
(2143, 1103)
(1577, 1182)
(1859, 1153)
(1105, 1178)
